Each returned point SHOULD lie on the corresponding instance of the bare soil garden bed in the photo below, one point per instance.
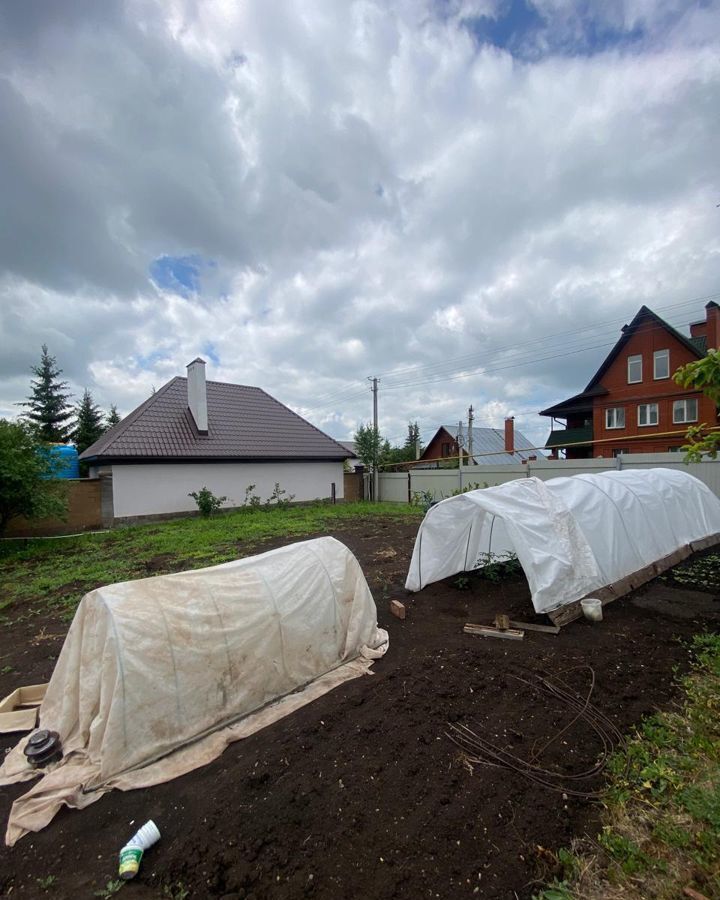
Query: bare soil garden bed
(361, 793)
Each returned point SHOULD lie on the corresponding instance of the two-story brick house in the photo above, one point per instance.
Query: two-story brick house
(632, 404)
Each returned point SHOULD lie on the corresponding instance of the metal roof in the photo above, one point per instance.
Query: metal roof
(492, 441)
(243, 423)
(350, 446)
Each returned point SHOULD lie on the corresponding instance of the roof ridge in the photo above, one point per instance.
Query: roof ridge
(626, 333)
(106, 441)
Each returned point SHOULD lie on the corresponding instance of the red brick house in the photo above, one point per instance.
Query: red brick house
(491, 447)
(631, 404)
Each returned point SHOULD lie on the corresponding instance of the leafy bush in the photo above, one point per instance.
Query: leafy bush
(278, 498)
(251, 500)
(423, 499)
(26, 472)
(495, 567)
(206, 501)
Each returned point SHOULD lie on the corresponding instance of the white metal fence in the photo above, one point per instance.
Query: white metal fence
(400, 487)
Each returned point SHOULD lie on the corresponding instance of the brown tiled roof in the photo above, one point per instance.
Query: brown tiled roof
(243, 423)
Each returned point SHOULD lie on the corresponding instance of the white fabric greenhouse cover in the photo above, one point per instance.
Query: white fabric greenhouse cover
(157, 676)
(572, 536)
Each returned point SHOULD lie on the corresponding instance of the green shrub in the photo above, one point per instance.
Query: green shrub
(206, 501)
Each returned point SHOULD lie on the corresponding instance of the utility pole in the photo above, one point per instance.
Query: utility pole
(377, 437)
(471, 461)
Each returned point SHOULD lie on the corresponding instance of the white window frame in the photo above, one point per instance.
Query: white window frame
(614, 418)
(630, 361)
(677, 407)
(658, 355)
(648, 407)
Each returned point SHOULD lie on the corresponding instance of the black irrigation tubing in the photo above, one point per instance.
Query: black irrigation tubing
(608, 733)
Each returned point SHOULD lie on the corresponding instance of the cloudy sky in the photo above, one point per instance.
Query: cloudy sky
(465, 198)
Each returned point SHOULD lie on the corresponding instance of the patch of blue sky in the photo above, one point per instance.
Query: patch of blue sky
(179, 274)
(209, 350)
(521, 30)
(150, 359)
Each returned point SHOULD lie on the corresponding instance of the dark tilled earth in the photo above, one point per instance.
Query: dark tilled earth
(361, 793)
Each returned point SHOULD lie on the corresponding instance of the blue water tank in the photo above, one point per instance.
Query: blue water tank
(65, 457)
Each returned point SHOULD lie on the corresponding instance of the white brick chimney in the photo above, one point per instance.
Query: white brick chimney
(197, 394)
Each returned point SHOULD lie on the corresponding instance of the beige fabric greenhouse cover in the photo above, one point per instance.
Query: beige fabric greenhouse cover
(157, 676)
(572, 536)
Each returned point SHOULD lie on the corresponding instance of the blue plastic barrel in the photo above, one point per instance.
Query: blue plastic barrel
(65, 457)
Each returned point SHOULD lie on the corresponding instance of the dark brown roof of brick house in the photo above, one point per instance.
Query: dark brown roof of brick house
(243, 423)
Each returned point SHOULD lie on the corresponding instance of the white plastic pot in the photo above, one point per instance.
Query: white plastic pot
(592, 609)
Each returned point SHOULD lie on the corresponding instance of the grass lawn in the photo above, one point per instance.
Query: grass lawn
(661, 830)
(46, 574)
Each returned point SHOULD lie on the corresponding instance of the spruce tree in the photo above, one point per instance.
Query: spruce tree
(48, 402)
(113, 417)
(89, 425)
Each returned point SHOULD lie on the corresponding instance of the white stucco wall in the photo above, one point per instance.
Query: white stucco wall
(144, 490)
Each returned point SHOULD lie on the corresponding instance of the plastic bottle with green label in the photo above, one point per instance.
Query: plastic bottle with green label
(132, 853)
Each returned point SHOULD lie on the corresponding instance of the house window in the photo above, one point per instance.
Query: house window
(661, 364)
(446, 449)
(619, 451)
(684, 411)
(615, 417)
(634, 369)
(674, 449)
(648, 414)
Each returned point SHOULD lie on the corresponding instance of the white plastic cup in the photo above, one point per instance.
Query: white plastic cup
(592, 609)
(132, 853)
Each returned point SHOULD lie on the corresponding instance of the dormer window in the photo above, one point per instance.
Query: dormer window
(634, 369)
(661, 364)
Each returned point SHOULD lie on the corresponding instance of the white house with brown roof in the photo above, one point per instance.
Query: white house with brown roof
(194, 433)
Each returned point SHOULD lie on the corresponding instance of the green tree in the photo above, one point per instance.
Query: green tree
(702, 375)
(26, 470)
(407, 452)
(89, 425)
(113, 417)
(413, 442)
(48, 403)
(370, 446)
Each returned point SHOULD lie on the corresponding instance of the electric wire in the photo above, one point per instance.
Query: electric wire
(525, 356)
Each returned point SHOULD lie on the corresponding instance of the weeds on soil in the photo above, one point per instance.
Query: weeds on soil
(661, 830)
(39, 574)
(110, 889)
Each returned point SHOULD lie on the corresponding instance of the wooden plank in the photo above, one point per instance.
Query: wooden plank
(704, 543)
(531, 626)
(489, 631)
(565, 614)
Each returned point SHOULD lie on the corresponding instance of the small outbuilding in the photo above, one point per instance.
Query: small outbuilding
(588, 535)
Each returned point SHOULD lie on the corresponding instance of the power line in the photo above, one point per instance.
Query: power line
(525, 357)
(340, 395)
(560, 334)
